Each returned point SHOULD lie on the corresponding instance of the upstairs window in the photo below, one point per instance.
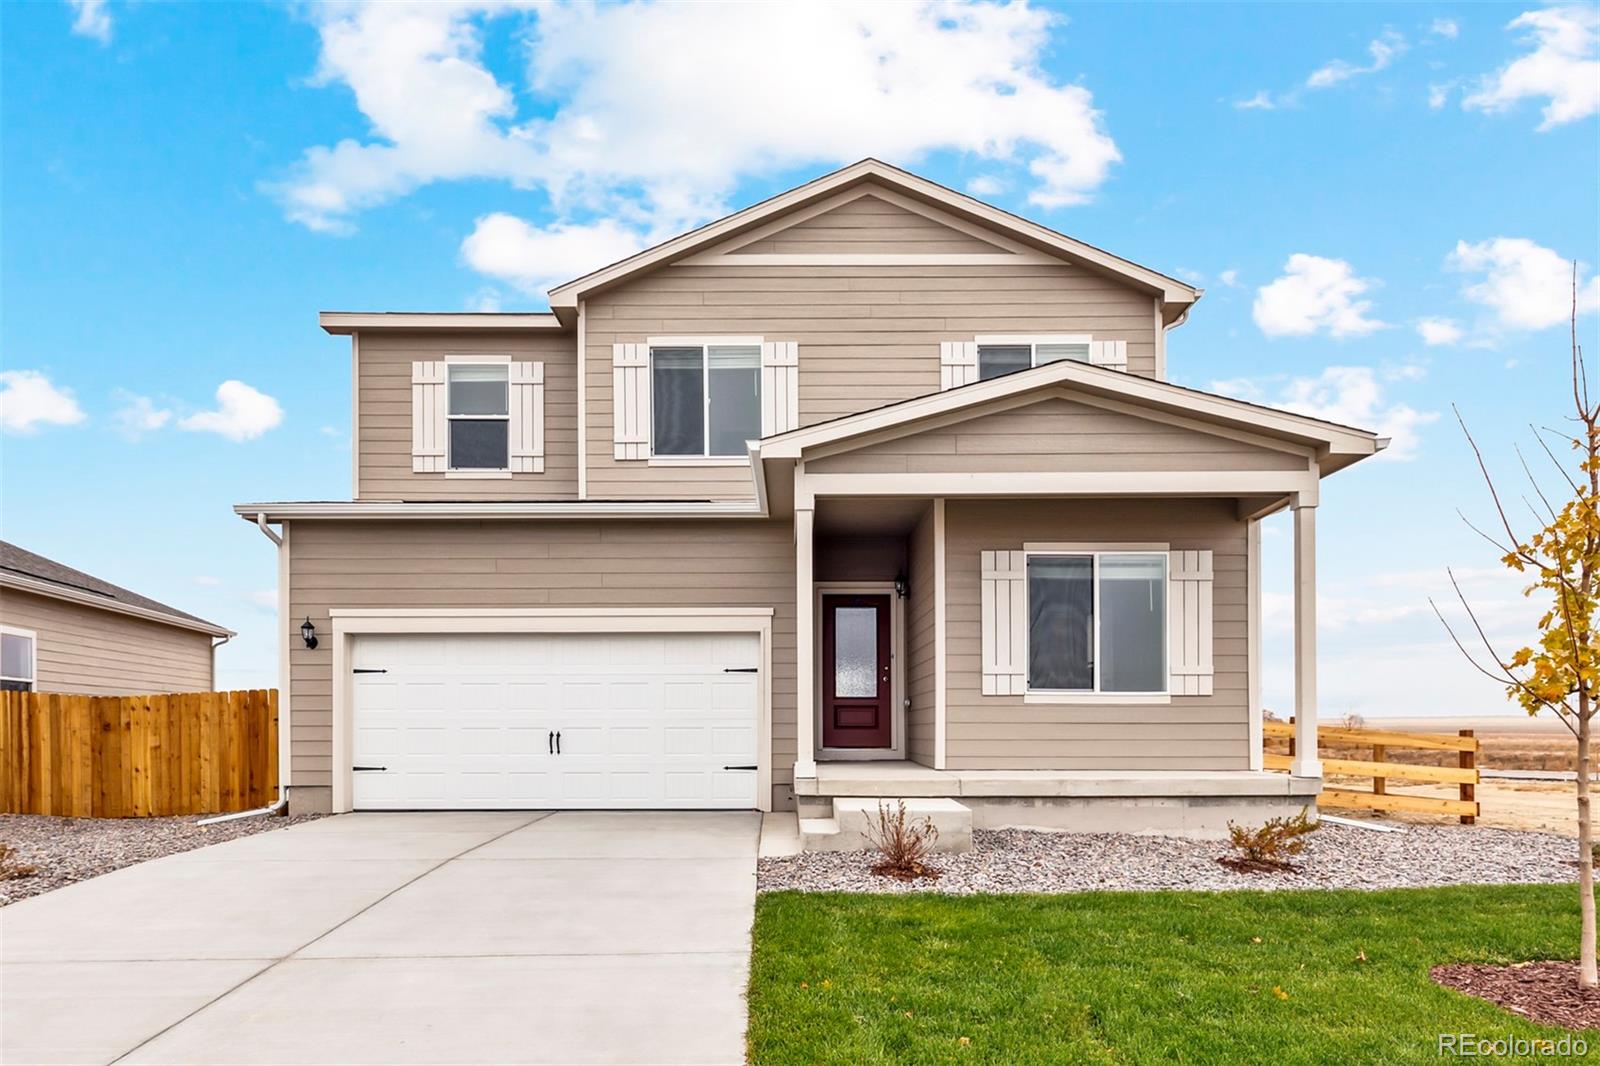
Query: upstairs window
(705, 400)
(480, 416)
(1000, 356)
(17, 660)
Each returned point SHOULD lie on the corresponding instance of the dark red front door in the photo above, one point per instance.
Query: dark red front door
(855, 672)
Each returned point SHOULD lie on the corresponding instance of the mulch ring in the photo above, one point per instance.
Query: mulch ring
(1542, 992)
(1257, 866)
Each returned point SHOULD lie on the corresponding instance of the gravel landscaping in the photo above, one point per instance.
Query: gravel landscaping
(65, 850)
(1016, 860)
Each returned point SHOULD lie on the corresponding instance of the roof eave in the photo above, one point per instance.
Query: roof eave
(104, 603)
(344, 323)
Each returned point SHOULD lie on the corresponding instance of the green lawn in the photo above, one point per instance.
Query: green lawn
(1172, 977)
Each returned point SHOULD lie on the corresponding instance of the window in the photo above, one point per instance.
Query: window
(705, 399)
(1097, 622)
(998, 356)
(480, 416)
(16, 660)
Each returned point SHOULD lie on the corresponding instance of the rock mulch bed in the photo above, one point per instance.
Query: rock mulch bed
(65, 850)
(1542, 992)
(1016, 860)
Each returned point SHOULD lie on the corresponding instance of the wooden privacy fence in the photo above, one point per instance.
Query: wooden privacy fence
(136, 756)
(1464, 775)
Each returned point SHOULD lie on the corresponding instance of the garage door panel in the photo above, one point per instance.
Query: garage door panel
(646, 720)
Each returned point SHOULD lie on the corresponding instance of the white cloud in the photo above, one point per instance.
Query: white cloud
(1436, 331)
(1349, 395)
(207, 581)
(28, 400)
(1230, 278)
(1527, 285)
(91, 19)
(1315, 294)
(242, 413)
(1446, 28)
(1439, 93)
(986, 185)
(266, 599)
(1562, 69)
(1384, 50)
(1261, 101)
(659, 111)
(533, 258)
(139, 415)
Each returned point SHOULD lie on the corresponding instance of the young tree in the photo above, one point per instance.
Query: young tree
(1561, 672)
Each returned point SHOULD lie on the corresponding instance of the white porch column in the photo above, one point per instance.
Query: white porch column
(1306, 761)
(805, 761)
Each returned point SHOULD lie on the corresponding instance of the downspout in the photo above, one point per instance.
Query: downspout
(282, 802)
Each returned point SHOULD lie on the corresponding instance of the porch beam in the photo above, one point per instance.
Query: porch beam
(1306, 761)
(1302, 484)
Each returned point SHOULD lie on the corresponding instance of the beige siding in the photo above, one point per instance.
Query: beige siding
(522, 564)
(868, 224)
(384, 414)
(1056, 435)
(920, 676)
(868, 336)
(1003, 732)
(102, 653)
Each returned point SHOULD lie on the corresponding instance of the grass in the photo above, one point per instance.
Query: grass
(1171, 977)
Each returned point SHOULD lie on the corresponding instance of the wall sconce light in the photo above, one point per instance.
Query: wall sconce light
(900, 585)
(308, 633)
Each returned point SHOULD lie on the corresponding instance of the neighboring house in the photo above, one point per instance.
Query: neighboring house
(870, 489)
(62, 630)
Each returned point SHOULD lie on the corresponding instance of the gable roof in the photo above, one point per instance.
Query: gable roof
(1335, 445)
(1176, 296)
(27, 571)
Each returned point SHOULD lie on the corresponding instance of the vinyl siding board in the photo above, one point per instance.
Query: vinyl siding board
(384, 416)
(868, 224)
(867, 335)
(1005, 732)
(1056, 435)
(534, 564)
(102, 653)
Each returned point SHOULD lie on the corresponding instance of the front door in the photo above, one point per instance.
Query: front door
(855, 672)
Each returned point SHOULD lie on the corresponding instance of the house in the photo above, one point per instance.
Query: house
(62, 630)
(868, 490)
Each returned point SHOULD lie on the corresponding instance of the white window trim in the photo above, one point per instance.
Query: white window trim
(32, 680)
(704, 344)
(474, 473)
(1095, 695)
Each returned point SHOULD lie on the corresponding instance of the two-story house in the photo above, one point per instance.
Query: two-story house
(870, 489)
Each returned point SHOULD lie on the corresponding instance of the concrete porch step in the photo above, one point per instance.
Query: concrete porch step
(847, 829)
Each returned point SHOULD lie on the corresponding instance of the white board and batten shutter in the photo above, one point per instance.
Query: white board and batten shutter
(1113, 355)
(780, 387)
(630, 391)
(1189, 622)
(1005, 623)
(958, 363)
(429, 400)
(526, 382)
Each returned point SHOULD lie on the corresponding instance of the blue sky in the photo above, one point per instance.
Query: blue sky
(1378, 200)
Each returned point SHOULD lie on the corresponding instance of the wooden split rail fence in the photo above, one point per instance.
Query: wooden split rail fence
(1464, 775)
(138, 756)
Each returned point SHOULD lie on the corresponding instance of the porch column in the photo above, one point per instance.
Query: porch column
(1306, 761)
(805, 761)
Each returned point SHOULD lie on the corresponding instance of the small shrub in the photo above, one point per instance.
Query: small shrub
(1270, 846)
(905, 845)
(1352, 721)
(12, 866)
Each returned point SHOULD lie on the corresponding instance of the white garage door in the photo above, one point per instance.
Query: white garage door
(481, 721)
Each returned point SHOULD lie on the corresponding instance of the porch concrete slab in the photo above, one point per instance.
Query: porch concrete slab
(593, 1009)
(780, 834)
(907, 780)
(43, 1020)
(630, 835)
(559, 906)
(175, 909)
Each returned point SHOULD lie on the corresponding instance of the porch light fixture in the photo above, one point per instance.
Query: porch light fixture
(308, 633)
(900, 585)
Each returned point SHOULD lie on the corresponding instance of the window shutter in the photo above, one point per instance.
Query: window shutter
(958, 363)
(1005, 623)
(428, 416)
(630, 393)
(527, 418)
(780, 387)
(1113, 355)
(1189, 621)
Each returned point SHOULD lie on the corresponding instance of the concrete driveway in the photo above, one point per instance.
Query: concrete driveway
(528, 937)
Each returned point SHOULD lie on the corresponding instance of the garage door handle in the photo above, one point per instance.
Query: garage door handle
(358, 769)
(738, 767)
(558, 742)
(739, 669)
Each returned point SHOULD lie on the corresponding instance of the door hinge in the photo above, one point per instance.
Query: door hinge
(368, 670)
(740, 669)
